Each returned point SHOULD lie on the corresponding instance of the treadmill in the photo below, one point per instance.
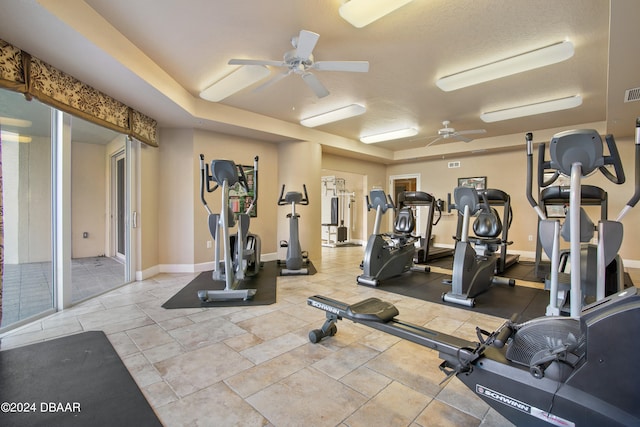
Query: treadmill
(426, 252)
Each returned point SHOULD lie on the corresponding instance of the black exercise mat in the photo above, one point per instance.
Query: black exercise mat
(311, 269)
(264, 282)
(522, 270)
(77, 380)
(499, 300)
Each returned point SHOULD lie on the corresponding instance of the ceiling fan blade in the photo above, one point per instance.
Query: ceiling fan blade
(272, 80)
(434, 141)
(352, 66)
(306, 42)
(470, 132)
(461, 138)
(315, 85)
(256, 62)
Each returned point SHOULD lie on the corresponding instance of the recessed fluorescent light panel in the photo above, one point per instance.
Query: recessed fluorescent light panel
(9, 121)
(361, 13)
(14, 137)
(544, 56)
(532, 109)
(334, 116)
(241, 78)
(388, 136)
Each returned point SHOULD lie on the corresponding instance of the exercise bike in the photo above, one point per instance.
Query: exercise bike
(296, 258)
(388, 255)
(563, 371)
(474, 265)
(241, 252)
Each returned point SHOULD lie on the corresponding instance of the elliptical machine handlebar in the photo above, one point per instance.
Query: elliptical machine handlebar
(636, 195)
(293, 197)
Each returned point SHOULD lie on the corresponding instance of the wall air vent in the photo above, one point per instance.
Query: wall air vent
(631, 95)
(455, 164)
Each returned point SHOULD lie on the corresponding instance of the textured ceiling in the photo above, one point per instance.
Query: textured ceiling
(158, 55)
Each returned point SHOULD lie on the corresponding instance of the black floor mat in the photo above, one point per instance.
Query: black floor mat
(499, 300)
(77, 380)
(264, 282)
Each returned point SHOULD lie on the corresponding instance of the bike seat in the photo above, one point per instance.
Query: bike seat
(373, 310)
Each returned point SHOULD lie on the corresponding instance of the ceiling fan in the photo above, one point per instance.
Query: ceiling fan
(300, 61)
(450, 133)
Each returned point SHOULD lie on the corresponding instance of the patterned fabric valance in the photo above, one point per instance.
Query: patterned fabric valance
(21, 72)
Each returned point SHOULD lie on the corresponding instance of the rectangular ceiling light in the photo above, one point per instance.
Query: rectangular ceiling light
(334, 116)
(241, 78)
(516, 64)
(532, 109)
(388, 136)
(361, 13)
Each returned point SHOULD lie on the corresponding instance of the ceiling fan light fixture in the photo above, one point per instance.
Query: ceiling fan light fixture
(239, 79)
(537, 58)
(532, 109)
(388, 136)
(334, 115)
(361, 13)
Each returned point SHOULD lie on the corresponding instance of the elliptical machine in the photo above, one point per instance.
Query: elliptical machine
(568, 371)
(474, 268)
(388, 255)
(576, 154)
(241, 252)
(296, 258)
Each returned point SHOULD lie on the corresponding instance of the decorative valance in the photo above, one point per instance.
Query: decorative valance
(21, 72)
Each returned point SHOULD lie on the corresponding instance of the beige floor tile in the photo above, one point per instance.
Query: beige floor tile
(149, 336)
(411, 365)
(366, 381)
(261, 376)
(215, 405)
(345, 360)
(198, 369)
(275, 347)
(439, 414)
(307, 398)
(396, 405)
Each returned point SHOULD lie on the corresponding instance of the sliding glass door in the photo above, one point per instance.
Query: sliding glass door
(25, 143)
(65, 231)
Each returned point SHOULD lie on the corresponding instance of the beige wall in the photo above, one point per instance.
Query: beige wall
(148, 201)
(176, 198)
(88, 202)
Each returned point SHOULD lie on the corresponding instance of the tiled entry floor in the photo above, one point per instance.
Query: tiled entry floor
(27, 288)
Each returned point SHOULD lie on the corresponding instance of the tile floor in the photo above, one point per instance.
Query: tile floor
(254, 366)
(27, 288)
